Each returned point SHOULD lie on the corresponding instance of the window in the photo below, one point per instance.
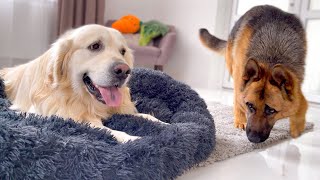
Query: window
(310, 16)
(314, 5)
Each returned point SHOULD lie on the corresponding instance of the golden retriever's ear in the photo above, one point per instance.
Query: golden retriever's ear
(60, 53)
(130, 57)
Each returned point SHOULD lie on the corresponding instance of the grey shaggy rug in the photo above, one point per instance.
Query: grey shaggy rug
(231, 141)
(34, 147)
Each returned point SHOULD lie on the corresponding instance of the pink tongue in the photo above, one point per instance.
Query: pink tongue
(112, 96)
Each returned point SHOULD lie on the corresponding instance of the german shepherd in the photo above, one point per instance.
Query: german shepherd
(265, 54)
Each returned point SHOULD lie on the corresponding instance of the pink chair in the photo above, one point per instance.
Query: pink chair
(156, 53)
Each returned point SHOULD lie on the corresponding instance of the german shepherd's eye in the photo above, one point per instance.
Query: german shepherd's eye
(250, 107)
(96, 46)
(123, 51)
(269, 110)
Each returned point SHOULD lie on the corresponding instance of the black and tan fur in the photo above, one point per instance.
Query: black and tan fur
(265, 54)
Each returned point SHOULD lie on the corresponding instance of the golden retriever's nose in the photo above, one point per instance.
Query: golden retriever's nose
(121, 70)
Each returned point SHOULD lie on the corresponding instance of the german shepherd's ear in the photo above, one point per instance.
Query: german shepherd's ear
(282, 78)
(252, 72)
(57, 66)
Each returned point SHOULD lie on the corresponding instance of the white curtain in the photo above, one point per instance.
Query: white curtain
(312, 76)
(27, 29)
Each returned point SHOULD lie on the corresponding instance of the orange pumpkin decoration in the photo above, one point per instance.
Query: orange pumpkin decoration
(127, 24)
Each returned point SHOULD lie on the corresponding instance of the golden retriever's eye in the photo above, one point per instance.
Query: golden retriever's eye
(123, 51)
(96, 46)
(269, 110)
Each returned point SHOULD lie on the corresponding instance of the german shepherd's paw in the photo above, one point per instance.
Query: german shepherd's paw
(240, 125)
(296, 131)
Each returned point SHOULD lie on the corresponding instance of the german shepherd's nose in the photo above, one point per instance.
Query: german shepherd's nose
(257, 137)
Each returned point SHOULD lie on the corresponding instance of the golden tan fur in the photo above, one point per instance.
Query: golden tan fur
(295, 109)
(49, 85)
(278, 99)
(267, 69)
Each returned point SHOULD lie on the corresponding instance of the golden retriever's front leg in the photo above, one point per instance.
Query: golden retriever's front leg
(120, 136)
(149, 117)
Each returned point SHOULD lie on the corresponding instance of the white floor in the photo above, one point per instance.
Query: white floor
(294, 159)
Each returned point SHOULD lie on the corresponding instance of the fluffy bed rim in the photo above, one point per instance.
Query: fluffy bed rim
(34, 147)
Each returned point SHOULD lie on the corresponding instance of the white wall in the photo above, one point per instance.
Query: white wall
(191, 62)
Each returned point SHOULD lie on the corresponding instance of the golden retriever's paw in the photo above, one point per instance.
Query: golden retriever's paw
(14, 108)
(151, 118)
(123, 137)
(240, 125)
(17, 111)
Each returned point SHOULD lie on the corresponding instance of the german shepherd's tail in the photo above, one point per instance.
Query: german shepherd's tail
(212, 42)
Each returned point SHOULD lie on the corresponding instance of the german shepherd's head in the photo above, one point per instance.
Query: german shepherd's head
(268, 94)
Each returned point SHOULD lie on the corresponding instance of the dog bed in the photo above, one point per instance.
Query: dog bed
(34, 147)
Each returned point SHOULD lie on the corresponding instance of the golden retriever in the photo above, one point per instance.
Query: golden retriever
(82, 76)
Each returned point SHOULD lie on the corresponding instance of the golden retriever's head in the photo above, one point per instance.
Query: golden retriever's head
(269, 94)
(92, 59)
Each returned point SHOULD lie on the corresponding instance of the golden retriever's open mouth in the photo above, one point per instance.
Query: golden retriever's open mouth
(111, 96)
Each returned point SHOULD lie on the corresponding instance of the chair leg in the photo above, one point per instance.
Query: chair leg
(158, 67)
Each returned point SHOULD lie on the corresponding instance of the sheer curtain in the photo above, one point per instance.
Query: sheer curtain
(27, 29)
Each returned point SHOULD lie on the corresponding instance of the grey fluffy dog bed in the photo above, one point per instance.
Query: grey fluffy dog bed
(32, 147)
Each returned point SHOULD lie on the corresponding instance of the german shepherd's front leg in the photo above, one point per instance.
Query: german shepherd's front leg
(240, 120)
(298, 121)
